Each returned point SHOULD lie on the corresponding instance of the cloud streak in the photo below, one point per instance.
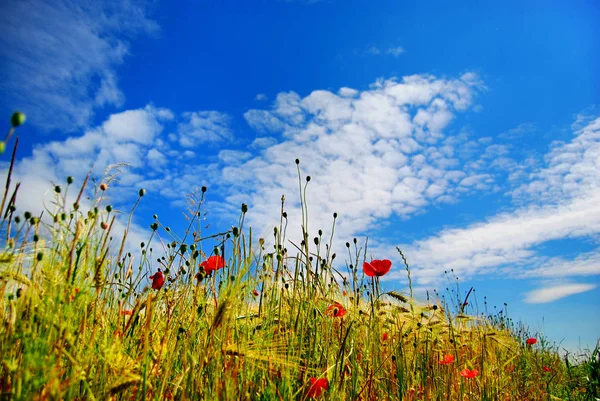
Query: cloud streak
(556, 292)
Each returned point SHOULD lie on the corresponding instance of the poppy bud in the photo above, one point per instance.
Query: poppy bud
(316, 240)
(17, 119)
(36, 238)
(308, 178)
(108, 208)
(297, 161)
(335, 215)
(57, 189)
(347, 245)
(17, 219)
(203, 189)
(244, 208)
(183, 248)
(70, 180)
(167, 229)
(103, 187)
(142, 192)
(236, 231)
(284, 214)
(154, 226)
(40, 256)
(320, 233)
(27, 215)
(333, 257)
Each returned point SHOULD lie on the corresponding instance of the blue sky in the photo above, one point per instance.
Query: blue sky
(467, 134)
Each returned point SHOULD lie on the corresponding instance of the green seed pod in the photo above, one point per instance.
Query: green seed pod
(40, 256)
(142, 192)
(57, 189)
(70, 180)
(108, 208)
(17, 119)
(244, 208)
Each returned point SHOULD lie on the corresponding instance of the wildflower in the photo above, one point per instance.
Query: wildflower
(213, 263)
(73, 294)
(377, 267)
(126, 312)
(103, 187)
(448, 359)
(531, 341)
(469, 374)
(384, 337)
(158, 279)
(255, 293)
(547, 369)
(336, 310)
(317, 387)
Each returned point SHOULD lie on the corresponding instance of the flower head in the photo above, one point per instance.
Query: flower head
(377, 267)
(448, 359)
(384, 337)
(336, 310)
(469, 374)
(213, 263)
(158, 280)
(317, 387)
(531, 341)
(547, 369)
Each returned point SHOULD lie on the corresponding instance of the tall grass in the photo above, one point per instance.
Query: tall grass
(80, 321)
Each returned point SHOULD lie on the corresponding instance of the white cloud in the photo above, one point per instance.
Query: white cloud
(563, 198)
(370, 153)
(556, 292)
(202, 127)
(260, 97)
(59, 57)
(519, 131)
(395, 51)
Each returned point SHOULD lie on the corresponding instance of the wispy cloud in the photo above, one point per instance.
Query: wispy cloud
(561, 202)
(394, 51)
(59, 58)
(202, 127)
(556, 292)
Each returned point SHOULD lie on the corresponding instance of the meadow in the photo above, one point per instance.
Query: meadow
(228, 316)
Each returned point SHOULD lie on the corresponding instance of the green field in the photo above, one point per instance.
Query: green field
(82, 319)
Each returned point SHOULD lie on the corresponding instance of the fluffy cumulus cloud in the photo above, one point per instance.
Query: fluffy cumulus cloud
(371, 154)
(58, 58)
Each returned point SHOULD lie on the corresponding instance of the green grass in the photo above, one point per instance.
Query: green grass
(79, 320)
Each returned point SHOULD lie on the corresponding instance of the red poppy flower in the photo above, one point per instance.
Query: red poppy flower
(377, 267)
(336, 310)
(158, 280)
(531, 341)
(547, 369)
(384, 337)
(255, 293)
(317, 387)
(213, 263)
(448, 359)
(126, 312)
(469, 374)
